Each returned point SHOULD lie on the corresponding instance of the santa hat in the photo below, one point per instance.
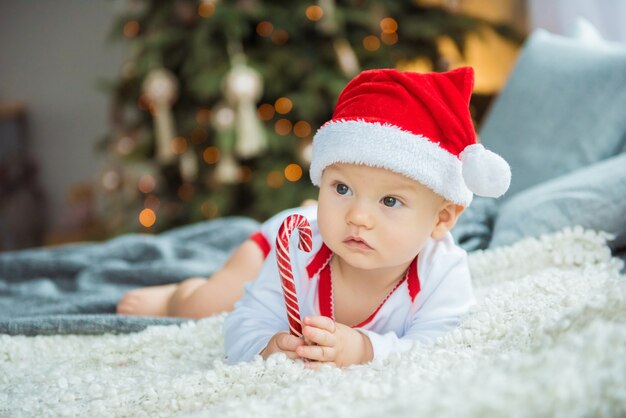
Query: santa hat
(418, 125)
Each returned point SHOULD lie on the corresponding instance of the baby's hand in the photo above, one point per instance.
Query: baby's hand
(283, 342)
(333, 343)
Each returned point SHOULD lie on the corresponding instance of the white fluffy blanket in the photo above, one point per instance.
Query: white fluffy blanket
(547, 339)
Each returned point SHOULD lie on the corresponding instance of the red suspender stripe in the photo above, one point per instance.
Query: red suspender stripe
(324, 293)
(413, 281)
(320, 260)
(262, 242)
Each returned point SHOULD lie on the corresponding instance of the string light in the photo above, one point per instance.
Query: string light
(280, 37)
(209, 209)
(302, 129)
(266, 111)
(275, 179)
(146, 183)
(283, 105)
(389, 38)
(371, 43)
(211, 155)
(264, 29)
(179, 145)
(388, 25)
(293, 172)
(131, 29)
(203, 116)
(147, 217)
(282, 126)
(206, 9)
(314, 13)
(152, 202)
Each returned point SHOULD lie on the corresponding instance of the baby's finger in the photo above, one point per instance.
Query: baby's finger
(316, 352)
(319, 336)
(323, 322)
(288, 342)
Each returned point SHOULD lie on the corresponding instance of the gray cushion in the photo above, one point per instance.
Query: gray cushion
(563, 108)
(593, 197)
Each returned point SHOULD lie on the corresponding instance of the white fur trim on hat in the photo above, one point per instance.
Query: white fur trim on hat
(388, 146)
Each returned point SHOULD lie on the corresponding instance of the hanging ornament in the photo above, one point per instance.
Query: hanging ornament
(346, 57)
(328, 23)
(243, 87)
(189, 166)
(160, 88)
(227, 171)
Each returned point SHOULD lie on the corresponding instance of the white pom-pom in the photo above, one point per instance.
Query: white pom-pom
(485, 172)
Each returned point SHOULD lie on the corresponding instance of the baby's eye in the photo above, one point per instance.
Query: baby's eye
(342, 189)
(391, 201)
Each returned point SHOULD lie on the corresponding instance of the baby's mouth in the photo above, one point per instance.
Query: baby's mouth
(357, 242)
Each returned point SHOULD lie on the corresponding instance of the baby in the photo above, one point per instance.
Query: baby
(396, 166)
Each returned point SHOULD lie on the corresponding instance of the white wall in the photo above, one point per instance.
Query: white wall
(558, 16)
(51, 54)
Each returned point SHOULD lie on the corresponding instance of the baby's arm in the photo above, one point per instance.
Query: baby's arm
(259, 318)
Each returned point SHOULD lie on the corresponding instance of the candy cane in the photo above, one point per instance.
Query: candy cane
(284, 265)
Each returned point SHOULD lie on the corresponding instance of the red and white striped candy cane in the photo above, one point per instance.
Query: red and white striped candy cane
(291, 223)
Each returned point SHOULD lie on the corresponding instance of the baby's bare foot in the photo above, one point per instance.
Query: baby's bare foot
(147, 301)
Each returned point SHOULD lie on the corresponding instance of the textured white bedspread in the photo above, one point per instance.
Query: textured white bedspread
(547, 339)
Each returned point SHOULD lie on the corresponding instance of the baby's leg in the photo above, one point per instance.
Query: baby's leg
(198, 297)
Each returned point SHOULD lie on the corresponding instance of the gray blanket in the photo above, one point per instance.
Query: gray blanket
(74, 289)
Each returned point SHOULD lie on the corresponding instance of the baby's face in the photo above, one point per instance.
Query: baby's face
(392, 215)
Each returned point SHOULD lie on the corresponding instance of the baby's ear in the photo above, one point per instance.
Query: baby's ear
(446, 219)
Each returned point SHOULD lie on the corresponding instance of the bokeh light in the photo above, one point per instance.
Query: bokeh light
(209, 209)
(280, 37)
(293, 172)
(203, 116)
(388, 25)
(371, 43)
(283, 105)
(152, 202)
(179, 145)
(266, 111)
(275, 179)
(389, 38)
(302, 129)
(146, 183)
(314, 13)
(264, 28)
(206, 9)
(282, 126)
(131, 29)
(147, 218)
(211, 155)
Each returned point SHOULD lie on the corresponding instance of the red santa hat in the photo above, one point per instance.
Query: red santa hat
(418, 125)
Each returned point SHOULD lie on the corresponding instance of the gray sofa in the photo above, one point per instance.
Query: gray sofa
(560, 122)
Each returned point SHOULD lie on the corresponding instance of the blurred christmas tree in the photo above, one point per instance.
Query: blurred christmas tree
(216, 106)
